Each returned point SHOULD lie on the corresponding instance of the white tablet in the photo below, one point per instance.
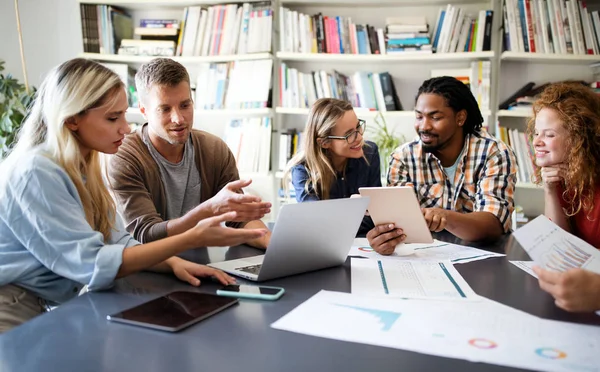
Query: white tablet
(398, 205)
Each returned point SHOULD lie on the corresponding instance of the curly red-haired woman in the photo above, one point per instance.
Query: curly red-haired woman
(565, 132)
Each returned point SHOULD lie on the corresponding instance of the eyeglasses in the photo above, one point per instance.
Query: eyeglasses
(351, 137)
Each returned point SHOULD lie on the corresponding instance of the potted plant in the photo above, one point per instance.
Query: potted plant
(387, 141)
(14, 100)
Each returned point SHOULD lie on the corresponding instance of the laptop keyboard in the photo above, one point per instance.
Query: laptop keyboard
(253, 269)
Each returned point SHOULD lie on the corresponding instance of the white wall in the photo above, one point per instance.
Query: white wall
(51, 35)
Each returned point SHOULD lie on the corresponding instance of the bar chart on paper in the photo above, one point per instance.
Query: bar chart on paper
(565, 256)
(554, 248)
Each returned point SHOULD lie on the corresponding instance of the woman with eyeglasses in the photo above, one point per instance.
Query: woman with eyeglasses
(334, 160)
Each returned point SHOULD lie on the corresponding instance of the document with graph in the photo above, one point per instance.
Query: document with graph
(408, 279)
(554, 248)
(478, 331)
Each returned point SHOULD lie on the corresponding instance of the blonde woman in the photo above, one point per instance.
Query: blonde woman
(58, 226)
(335, 159)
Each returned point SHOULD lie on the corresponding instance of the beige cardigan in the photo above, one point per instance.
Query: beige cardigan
(134, 178)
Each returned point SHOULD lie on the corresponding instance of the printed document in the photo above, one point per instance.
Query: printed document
(437, 251)
(416, 279)
(478, 331)
(526, 266)
(553, 248)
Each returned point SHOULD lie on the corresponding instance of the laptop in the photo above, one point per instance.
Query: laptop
(307, 236)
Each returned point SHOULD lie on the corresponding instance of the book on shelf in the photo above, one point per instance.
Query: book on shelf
(249, 140)
(234, 85)
(154, 48)
(457, 30)
(477, 77)
(523, 98)
(551, 26)
(290, 142)
(368, 90)
(103, 27)
(524, 152)
(225, 29)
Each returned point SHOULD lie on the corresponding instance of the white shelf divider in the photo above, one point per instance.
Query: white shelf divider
(134, 111)
(550, 58)
(183, 60)
(145, 4)
(362, 112)
(378, 58)
(514, 114)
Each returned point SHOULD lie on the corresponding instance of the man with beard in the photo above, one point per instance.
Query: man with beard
(167, 176)
(463, 177)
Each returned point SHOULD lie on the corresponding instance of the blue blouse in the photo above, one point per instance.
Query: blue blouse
(46, 244)
(358, 173)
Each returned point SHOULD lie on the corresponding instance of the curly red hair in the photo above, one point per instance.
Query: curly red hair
(578, 108)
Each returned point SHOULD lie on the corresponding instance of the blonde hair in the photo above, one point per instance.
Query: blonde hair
(71, 89)
(322, 118)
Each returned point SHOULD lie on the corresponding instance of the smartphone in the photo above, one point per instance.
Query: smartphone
(173, 311)
(251, 291)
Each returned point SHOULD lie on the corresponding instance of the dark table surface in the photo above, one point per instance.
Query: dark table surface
(77, 337)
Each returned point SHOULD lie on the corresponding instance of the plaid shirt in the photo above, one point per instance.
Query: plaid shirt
(484, 181)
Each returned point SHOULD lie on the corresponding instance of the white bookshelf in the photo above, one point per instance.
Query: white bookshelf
(385, 58)
(116, 58)
(547, 58)
(510, 70)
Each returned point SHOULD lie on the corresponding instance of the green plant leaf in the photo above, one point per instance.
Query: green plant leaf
(14, 101)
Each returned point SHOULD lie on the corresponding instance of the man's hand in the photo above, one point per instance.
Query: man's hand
(189, 272)
(230, 199)
(436, 218)
(554, 174)
(384, 238)
(575, 290)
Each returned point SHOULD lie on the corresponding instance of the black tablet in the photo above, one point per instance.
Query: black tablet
(174, 311)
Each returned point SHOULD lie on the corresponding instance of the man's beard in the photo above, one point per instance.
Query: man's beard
(431, 148)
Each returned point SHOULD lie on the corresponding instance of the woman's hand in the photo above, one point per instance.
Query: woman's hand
(209, 232)
(554, 174)
(574, 290)
(190, 272)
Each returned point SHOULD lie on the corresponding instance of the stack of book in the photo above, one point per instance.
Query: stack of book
(375, 91)
(551, 26)
(407, 34)
(158, 37)
(234, 85)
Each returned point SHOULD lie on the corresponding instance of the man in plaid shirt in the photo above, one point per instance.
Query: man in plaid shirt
(463, 177)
